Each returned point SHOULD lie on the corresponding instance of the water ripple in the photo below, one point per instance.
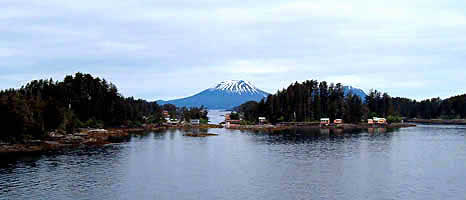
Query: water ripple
(426, 162)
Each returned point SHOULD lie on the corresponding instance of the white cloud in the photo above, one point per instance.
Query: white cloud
(8, 52)
(121, 46)
(258, 66)
(398, 46)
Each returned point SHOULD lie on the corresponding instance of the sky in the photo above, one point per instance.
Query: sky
(155, 49)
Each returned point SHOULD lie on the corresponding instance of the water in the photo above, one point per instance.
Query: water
(217, 116)
(425, 162)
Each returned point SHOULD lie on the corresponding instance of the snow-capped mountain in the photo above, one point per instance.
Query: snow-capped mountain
(225, 95)
(238, 87)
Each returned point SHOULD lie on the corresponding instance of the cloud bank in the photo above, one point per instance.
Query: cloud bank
(168, 49)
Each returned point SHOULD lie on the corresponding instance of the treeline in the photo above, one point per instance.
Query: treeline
(435, 108)
(383, 105)
(312, 100)
(186, 114)
(77, 101)
(307, 101)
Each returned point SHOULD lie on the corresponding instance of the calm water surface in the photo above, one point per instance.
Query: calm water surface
(426, 162)
(217, 116)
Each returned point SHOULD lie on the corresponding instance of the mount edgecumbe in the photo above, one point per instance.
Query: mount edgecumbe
(225, 95)
(229, 94)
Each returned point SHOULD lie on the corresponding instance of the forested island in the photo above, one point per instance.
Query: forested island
(312, 100)
(48, 108)
(79, 101)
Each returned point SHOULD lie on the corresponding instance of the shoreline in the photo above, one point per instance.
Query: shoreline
(316, 125)
(438, 121)
(84, 138)
(95, 138)
(58, 142)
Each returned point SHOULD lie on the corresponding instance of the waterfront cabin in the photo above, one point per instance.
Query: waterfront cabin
(233, 123)
(165, 114)
(173, 121)
(381, 120)
(338, 121)
(324, 121)
(377, 120)
(195, 121)
(262, 120)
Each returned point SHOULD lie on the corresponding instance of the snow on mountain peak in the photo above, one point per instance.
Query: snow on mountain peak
(237, 86)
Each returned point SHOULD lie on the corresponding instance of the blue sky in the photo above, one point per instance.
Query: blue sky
(167, 49)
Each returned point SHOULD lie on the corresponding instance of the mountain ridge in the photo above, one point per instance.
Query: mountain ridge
(232, 93)
(225, 95)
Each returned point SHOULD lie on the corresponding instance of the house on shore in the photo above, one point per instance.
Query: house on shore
(338, 121)
(165, 114)
(377, 120)
(173, 121)
(195, 121)
(262, 120)
(324, 121)
(232, 123)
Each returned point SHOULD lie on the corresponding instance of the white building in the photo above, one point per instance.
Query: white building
(262, 120)
(325, 121)
(195, 121)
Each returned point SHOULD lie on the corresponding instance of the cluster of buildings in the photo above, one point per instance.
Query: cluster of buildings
(375, 120)
(231, 122)
(168, 119)
(323, 121)
(236, 122)
(326, 121)
(173, 121)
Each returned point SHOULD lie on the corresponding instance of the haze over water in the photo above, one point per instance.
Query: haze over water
(424, 162)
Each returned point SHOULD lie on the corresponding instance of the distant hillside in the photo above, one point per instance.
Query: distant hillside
(355, 91)
(225, 95)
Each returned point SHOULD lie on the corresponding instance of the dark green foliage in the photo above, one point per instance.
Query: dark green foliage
(193, 113)
(250, 110)
(16, 117)
(455, 106)
(307, 101)
(451, 108)
(380, 105)
(79, 101)
(234, 116)
(185, 113)
(353, 111)
(394, 119)
(172, 110)
(311, 100)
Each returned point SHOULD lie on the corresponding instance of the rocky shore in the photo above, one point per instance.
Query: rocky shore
(59, 140)
(99, 137)
(268, 128)
(189, 126)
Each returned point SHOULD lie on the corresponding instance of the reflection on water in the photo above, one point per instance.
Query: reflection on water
(414, 163)
(376, 130)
